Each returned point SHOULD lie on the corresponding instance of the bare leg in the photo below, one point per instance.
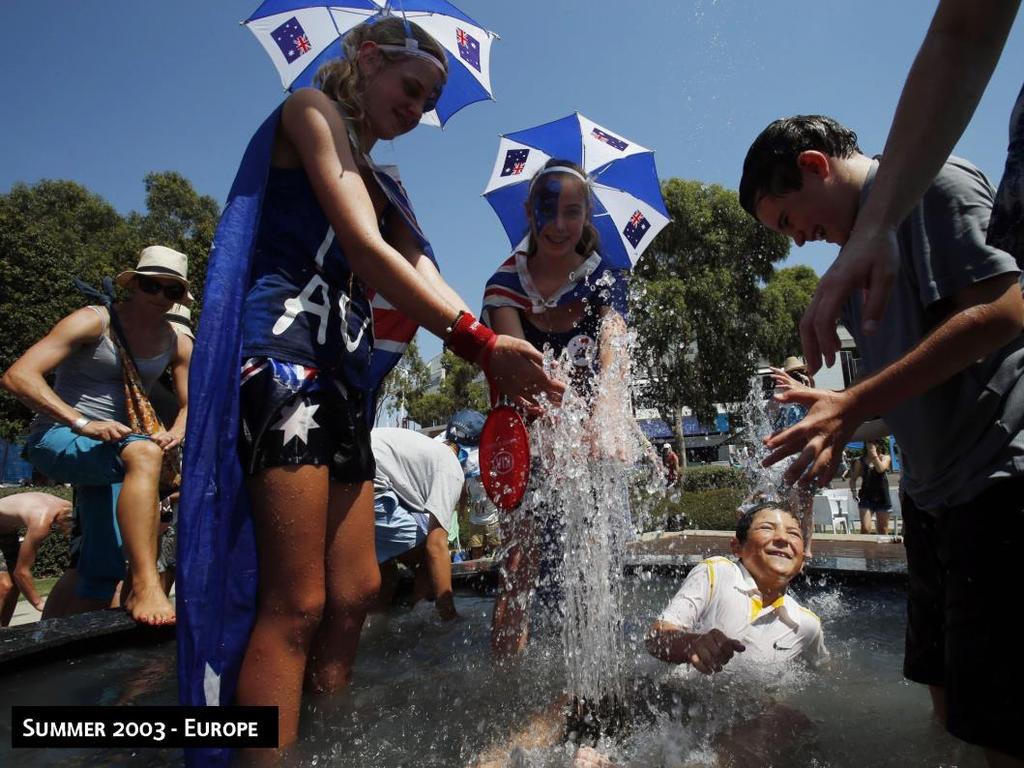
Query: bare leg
(510, 622)
(882, 519)
(8, 598)
(388, 585)
(62, 600)
(353, 583)
(138, 515)
(290, 516)
(865, 520)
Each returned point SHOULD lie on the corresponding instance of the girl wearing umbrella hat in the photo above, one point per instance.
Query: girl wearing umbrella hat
(559, 294)
(315, 225)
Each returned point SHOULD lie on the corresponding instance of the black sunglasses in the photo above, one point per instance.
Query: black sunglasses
(173, 291)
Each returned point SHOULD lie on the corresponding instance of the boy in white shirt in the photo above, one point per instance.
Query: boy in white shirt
(724, 608)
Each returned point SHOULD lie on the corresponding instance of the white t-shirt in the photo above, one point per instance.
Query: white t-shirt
(425, 475)
(720, 594)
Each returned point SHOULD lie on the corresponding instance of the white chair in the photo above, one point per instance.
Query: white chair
(830, 513)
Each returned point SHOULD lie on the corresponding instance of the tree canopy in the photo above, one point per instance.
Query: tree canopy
(55, 230)
(783, 301)
(460, 388)
(696, 299)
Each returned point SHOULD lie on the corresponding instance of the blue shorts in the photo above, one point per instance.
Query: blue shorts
(61, 453)
(396, 529)
(97, 552)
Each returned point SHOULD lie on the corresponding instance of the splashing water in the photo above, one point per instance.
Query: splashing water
(761, 417)
(586, 451)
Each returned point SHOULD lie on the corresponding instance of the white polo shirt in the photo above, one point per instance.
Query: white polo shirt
(720, 594)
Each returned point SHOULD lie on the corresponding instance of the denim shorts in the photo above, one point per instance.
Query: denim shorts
(62, 454)
(397, 529)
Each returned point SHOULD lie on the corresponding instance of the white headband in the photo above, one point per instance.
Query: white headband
(412, 48)
(561, 169)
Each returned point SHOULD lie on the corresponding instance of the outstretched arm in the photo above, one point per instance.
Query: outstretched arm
(439, 568)
(314, 127)
(27, 552)
(943, 88)
(986, 316)
(706, 652)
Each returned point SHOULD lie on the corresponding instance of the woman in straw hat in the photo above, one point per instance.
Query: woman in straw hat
(80, 435)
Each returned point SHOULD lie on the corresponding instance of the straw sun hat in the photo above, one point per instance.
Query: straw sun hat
(159, 261)
(793, 363)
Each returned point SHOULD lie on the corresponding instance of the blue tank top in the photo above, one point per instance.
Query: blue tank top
(304, 304)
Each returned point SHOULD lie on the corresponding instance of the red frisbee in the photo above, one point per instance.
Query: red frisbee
(505, 457)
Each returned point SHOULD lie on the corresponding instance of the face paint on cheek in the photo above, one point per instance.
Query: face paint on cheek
(545, 202)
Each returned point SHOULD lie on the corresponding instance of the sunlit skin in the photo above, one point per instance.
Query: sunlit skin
(773, 553)
(397, 92)
(557, 219)
(825, 206)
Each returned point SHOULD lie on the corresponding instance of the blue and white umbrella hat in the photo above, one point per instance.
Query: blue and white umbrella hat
(629, 210)
(301, 36)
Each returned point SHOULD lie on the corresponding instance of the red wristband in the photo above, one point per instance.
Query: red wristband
(469, 339)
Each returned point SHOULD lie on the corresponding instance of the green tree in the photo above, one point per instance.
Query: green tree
(696, 295)
(406, 381)
(783, 300)
(50, 232)
(462, 387)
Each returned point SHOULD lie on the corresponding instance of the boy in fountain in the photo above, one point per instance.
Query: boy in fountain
(943, 369)
(722, 609)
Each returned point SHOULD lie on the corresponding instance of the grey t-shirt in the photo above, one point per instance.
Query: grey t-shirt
(960, 437)
(423, 474)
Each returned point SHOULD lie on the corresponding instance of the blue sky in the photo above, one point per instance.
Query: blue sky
(102, 92)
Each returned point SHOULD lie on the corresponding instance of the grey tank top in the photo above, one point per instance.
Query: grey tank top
(91, 381)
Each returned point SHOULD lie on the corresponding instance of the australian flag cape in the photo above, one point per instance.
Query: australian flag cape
(216, 574)
(512, 286)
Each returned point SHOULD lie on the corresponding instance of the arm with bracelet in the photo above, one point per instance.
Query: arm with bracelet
(26, 378)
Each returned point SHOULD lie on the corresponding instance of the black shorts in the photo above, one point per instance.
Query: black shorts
(291, 415)
(963, 565)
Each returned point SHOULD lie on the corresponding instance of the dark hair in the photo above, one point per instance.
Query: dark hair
(747, 516)
(770, 167)
(589, 240)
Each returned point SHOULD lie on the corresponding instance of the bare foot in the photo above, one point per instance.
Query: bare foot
(149, 605)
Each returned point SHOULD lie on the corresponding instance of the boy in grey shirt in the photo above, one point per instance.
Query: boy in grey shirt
(944, 370)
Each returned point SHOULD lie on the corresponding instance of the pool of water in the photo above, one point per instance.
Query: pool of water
(428, 694)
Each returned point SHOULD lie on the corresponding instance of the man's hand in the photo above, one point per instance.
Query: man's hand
(516, 368)
(107, 431)
(784, 381)
(818, 438)
(868, 261)
(167, 439)
(710, 652)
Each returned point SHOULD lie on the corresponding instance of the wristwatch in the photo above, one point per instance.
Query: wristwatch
(79, 424)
